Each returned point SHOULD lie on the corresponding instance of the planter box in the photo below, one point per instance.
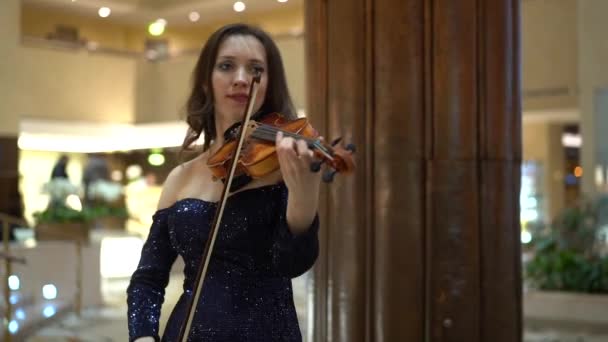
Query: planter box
(109, 222)
(63, 231)
(567, 309)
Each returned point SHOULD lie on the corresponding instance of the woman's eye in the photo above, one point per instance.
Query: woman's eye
(257, 69)
(224, 66)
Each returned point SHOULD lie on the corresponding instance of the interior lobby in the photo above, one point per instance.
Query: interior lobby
(479, 206)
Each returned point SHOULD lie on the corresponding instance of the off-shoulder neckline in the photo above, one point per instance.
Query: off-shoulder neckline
(209, 202)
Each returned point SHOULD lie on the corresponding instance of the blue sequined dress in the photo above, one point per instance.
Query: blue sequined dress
(247, 293)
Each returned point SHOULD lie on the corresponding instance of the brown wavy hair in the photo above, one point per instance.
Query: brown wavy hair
(199, 107)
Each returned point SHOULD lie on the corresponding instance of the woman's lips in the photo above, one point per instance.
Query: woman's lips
(239, 98)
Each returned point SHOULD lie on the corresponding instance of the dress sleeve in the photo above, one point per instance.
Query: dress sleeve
(146, 291)
(293, 255)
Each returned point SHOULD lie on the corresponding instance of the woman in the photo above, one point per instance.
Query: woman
(269, 229)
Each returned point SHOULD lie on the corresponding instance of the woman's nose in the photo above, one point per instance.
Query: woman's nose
(241, 78)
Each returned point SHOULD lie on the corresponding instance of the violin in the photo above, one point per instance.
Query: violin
(258, 156)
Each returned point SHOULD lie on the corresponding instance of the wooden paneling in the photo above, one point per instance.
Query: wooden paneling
(398, 192)
(422, 243)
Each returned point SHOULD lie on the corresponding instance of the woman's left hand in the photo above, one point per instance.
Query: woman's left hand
(295, 159)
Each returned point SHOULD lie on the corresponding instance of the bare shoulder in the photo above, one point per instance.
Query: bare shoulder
(176, 181)
(171, 187)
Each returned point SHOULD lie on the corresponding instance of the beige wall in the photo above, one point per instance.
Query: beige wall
(77, 85)
(593, 74)
(556, 162)
(37, 22)
(9, 115)
(542, 143)
(67, 85)
(535, 137)
(549, 47)
(163, 88)
(294, 57)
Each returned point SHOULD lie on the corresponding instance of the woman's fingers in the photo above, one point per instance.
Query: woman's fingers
(293, 153)
(303, 150)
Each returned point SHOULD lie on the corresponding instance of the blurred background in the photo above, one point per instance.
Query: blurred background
(92, 95)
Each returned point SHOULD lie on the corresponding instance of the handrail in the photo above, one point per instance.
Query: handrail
(12, 219)
(7, 220)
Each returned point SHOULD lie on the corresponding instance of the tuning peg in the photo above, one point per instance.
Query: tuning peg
(328, 176)
(316, 166)
(336, 141)
(351, 148)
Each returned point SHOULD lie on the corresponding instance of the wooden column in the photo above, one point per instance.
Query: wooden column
(422, 243)
(10, 199)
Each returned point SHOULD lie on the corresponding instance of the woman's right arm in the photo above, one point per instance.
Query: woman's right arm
(146, 291)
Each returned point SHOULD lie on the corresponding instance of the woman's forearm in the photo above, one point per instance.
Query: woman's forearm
(301, 211)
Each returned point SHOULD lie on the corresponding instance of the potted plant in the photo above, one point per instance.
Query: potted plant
(106, 204)
(60, 221)
(570, 254)
(568, 271)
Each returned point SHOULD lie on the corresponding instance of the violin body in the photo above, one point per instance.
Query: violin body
(258, 156)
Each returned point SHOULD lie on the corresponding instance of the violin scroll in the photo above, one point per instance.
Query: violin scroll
(339, 160)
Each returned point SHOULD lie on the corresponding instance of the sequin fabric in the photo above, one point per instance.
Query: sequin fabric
(247, 294)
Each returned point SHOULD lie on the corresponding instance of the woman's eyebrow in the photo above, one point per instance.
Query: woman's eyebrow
(233, 57)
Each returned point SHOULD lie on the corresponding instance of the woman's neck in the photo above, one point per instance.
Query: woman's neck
(220, 127)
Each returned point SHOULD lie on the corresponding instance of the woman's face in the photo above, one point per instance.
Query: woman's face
(239, 59)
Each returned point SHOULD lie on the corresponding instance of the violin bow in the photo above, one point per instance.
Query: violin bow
(203, 267)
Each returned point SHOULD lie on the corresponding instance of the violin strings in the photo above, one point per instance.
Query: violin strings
(273, 130)
(268, 132)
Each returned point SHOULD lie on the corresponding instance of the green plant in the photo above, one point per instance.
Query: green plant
(61, 214)
(103, 210)
(570, 254)
(106, 200)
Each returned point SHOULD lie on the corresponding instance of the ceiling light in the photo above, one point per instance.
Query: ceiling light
(156, 28)
(282, 0)
(194, 16)
(104, 12)
(239, 6)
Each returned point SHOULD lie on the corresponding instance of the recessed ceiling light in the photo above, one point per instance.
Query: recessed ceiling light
(239, 6)
(194, 16)
(156, 28)
(104, 12)
(282, 0)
